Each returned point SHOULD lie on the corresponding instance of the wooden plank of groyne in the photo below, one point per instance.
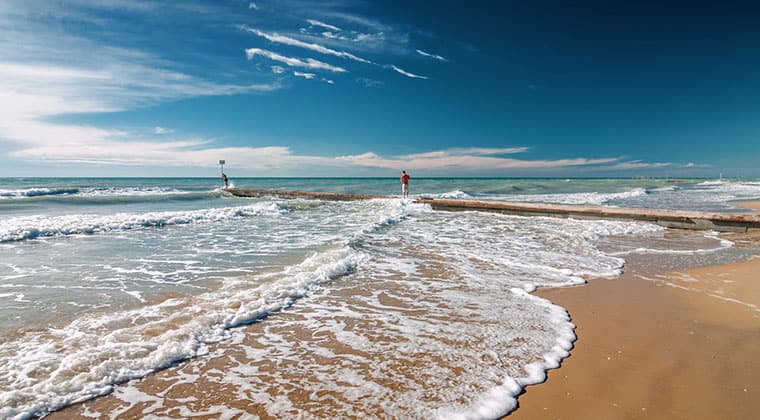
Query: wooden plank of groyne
(724, 222)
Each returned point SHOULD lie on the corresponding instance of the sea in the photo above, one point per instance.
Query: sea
(104, 281)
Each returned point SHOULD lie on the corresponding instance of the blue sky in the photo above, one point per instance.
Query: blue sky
(355, 88)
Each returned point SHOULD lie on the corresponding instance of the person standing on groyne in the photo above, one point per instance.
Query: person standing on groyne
(225, 180)
(405, 184)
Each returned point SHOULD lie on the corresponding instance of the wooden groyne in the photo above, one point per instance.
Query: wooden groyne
(245, 192)
(723, 222)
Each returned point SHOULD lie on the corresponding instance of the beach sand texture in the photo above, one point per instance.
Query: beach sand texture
(675, 346)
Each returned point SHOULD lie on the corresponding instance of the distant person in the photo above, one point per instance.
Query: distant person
(225, 180)
(405, 184)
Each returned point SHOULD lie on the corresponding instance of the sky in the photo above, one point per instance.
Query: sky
(365, 88)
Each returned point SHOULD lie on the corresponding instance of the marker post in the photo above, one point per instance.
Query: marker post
(221, 164)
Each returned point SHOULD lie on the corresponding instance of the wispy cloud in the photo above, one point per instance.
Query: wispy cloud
(436, 56)
(162, 130)
(467, 160)
(304, 75)
(314, 22)
(475, 151)
(360, 20)
(194, 153)
(638, 164)
(253, 6)
(46, 74)
(331, 35)
(278, 69)
(309, 63)
(32, 93)
(695, 165)
(367, 82)
(405, 73)
(286, 40)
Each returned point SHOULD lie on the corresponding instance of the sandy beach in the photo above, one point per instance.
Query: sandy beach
(658, 349)
(681, 345)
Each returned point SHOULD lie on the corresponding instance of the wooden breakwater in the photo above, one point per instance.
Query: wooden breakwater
(723, 222)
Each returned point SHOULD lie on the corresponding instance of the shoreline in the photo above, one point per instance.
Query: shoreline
(610, 372)
(645, 347)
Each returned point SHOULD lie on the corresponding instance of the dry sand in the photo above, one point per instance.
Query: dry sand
(681, 346)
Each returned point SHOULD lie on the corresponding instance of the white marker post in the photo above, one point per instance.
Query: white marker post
(221, 163)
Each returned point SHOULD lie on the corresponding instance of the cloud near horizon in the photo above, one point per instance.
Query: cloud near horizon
(638, 164)
(122, 149)
(468, 160)
(32, 94)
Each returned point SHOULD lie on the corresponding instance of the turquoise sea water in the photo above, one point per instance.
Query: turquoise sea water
(103, 280)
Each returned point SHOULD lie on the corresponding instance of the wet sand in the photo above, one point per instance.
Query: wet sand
(683, 345)
(673, 345)
(367, 348)
(754, 205)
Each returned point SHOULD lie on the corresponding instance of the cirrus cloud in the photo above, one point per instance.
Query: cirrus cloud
(405, 73)
(286, 40)
(309, 63)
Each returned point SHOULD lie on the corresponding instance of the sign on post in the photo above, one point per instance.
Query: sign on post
(221, 164)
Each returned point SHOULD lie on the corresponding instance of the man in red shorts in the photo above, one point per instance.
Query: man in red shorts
(405, 184)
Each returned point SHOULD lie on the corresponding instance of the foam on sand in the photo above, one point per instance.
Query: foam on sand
(86, 357)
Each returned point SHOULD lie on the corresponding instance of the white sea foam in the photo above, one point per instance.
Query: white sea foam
(717, 182)
(519, 253)
(452, 195)
(32, 227)
(502, 399)
(86, 357)
(129, 191)
(709, 195)
(667, 189)
(90, 192)
(578, 198)
(35, 192)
